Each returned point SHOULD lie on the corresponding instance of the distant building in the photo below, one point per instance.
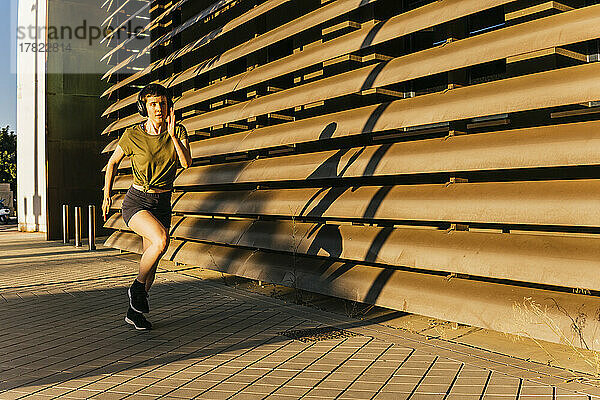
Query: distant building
(6, 197)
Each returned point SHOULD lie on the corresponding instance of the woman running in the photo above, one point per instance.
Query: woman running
(154, 147)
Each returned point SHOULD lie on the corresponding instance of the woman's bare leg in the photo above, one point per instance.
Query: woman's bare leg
(153, 232)
(150, 277)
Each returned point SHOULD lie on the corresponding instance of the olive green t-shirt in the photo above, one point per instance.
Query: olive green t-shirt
(153, 157)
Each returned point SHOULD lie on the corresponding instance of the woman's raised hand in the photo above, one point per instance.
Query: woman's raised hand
(171, 122)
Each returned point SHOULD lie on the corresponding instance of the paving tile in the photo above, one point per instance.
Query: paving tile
(154, 390)
(373, 378)
(434, 389)
(399, 387)
(146, 396)
(465, 390)
(463, 397)
(271, 379)
(244, 379)
(184, 393)
(264, 389)
(225, 386)
(501, 390)
(427, 396)
(356, 395)
(101, 385)
(109, 396)
(45, 396)
(242, 396)
(78, 394)
(365, 386)
(322, 392)
(570, 396)
(535, 390)
(391, 396)
(309, 397)
(52, 392)
(291, 391)
(301, 382)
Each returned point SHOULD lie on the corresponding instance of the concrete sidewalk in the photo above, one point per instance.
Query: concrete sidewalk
(62, 335)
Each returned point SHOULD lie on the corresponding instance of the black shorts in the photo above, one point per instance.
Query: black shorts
(159, 204)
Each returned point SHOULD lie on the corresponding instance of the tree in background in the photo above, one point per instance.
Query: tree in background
(8, 157)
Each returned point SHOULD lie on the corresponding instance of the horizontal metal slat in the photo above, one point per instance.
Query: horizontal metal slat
(121, 182)
(108, 4)
(539, 259)
(111, 146)
(309, 130)
(125, 122)
(117, 201)
(116, 221)
(571, 85)
(559, 203)
(129, 79)
(111, 16)
(131, 17)
(488, 305)
(537, 147)
(125, 241)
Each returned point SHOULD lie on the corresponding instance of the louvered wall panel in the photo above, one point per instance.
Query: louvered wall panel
(537, 258)
(373, 149)
(557, 30)
(204, 40)
(454, 299)
(400, 25)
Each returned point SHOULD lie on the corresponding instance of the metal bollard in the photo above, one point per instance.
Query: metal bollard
(77, 226)
(91, 227)
(65, 223)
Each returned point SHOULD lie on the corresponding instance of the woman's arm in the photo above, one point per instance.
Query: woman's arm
(183, 151)
(182, 147)
(113, 162)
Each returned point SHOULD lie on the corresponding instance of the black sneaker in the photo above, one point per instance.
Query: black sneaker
(137, 320)
(138, 298)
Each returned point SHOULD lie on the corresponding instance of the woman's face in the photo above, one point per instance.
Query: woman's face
(157, 108)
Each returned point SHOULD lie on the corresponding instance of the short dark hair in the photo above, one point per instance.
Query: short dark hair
(154, 90)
